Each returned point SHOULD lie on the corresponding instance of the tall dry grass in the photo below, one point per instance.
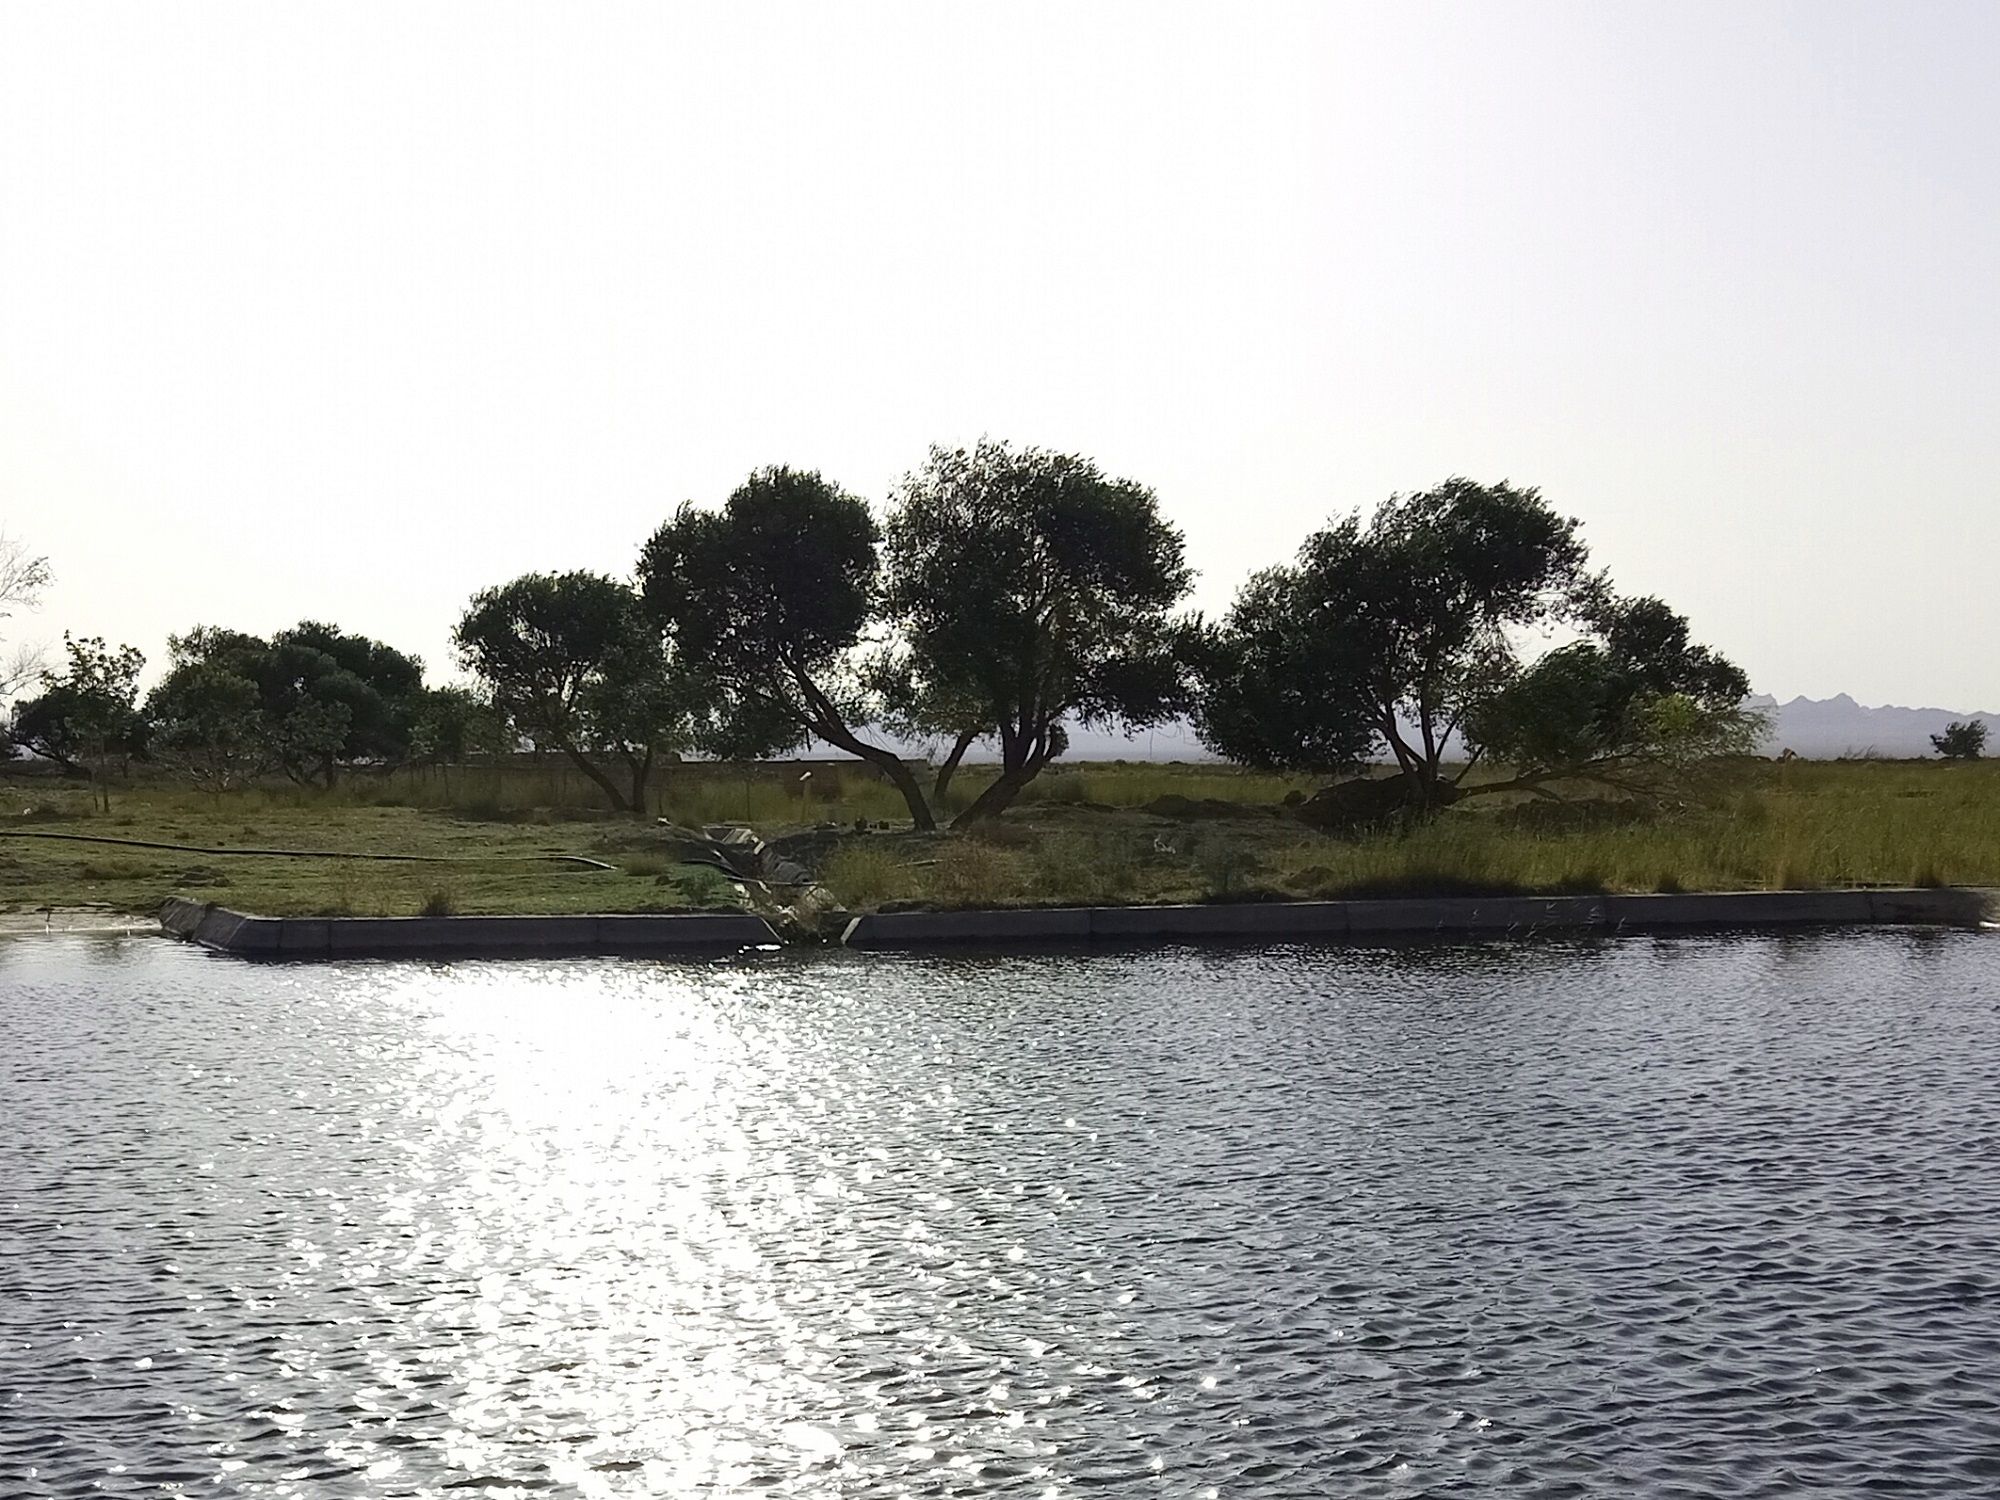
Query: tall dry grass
(1757, 825)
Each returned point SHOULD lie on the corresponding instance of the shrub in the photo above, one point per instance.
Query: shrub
(861, 873)
(1226, 866)
(1963, 739)
(970, 874)
(441, 901)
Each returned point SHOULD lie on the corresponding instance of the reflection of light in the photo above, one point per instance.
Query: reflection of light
(583, 1170)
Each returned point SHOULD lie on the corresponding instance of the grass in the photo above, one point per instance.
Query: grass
(867, 873)
(1081, 836)
(1762, 826)
(491, 866)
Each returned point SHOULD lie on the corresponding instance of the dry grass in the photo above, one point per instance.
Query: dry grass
(1081, 838)
(479, 867)
(865, 873)
(1762, 826)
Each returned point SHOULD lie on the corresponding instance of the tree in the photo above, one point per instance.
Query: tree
(87, 716)
(1963, 739)
(1386, 634)
(769, 598)
(379, 685)
(451, 723)
(1275, 691)
(324, 699)
(1029, 584)
(207, 722)
(23, 577)
(573, 662)
(1633, 708)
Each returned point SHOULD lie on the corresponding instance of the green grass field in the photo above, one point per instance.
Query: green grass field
(1081, 834)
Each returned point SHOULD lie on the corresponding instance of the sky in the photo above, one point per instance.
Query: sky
(346, 311)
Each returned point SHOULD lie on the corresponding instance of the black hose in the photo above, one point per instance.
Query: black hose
(422, 859)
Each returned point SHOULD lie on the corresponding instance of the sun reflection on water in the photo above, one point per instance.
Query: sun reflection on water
(620, 1264)
(1268, 1224)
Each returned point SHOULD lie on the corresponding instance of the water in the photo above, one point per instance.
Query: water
(1688, 1217)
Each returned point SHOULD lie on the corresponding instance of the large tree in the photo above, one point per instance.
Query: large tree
(1037, 589)
(573, 662)
(770, 598)
(86, 716)
(323, 699)
(1388, 632)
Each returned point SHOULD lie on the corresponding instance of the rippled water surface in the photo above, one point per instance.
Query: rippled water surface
(1697, 1217)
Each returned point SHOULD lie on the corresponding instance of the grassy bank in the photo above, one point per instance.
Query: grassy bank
(470, 865)
(1082, 835)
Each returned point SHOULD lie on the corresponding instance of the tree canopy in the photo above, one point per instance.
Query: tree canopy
(318, 700)
(207, 720)
(1401, 634)
(451, 723)
(379, 685)
(573, 663)
(1030, 588)
(1630, 707)
(770, 598)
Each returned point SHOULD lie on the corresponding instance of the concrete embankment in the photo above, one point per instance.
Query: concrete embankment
(1469, 916)
(461, 937)
(1473, 916)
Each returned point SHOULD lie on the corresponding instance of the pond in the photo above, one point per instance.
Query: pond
(1700, 1216)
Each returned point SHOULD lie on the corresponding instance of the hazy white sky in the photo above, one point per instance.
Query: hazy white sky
(347, 310)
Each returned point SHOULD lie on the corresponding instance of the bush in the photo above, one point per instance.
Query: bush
(1963, 739)
(1226, 867)
(861, 874)
(441, 901)
(970, 875)
(1069, 868)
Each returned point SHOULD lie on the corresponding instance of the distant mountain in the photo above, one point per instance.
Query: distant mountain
(1817, 728)
(1822, 728)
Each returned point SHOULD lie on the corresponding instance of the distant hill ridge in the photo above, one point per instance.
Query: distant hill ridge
(1817, 728)
(1820, 728)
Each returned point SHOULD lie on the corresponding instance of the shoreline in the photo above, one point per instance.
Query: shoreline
(316, 938)
(80, 921)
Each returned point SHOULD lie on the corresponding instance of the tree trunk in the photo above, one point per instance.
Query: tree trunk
(905, 781)
(997, 797)
(1022, 760)
(950, 767)
(887, 762)
(596, 773)
(642, 771)
(822, 718)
